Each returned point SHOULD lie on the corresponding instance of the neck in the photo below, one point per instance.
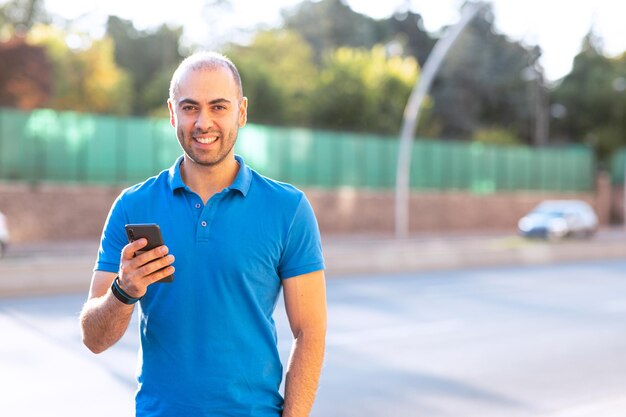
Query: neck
(208, 180)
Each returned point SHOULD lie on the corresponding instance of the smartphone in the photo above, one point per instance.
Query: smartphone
(152, 233)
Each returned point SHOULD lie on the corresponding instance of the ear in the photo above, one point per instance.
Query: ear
(243, 112)
(170, 106)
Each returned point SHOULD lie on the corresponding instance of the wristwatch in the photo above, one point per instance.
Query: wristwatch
(120, 294)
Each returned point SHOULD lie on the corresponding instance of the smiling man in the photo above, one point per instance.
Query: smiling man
(233, 240)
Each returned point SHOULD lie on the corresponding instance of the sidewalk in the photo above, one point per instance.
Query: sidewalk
(347, 255)
(61, 267)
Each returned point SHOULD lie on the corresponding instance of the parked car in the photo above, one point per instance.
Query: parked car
(556, 219)
(4, 234)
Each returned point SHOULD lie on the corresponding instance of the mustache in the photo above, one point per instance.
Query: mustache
(215, 132)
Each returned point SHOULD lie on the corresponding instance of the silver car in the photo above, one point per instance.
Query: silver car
(556, 219)
(4, 234)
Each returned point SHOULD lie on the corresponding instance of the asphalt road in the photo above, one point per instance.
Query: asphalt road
(47, 268)
(540, 341)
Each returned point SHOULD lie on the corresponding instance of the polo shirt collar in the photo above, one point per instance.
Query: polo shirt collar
(243, 178)
(174, 178)
(241, 183)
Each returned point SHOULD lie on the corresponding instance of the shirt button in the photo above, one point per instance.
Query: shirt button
(197, 205)
(203, 223)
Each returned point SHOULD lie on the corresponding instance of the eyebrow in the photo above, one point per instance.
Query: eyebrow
(195, 102)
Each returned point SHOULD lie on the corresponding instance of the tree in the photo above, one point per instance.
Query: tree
(363, 90)
(146, 55)
(329, 24)
(408, 29)
(21, 15)
(480, 83)
(277, 84)
(593, 99)
(25, 75)
(84, 79)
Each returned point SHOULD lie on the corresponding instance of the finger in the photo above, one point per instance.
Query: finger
(149, 256)
(157, 264)
(160, 274)
(129, 250)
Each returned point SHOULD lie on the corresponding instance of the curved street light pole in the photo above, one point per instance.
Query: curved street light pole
(411, 116)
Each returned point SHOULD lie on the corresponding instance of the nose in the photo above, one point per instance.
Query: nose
(204, 121)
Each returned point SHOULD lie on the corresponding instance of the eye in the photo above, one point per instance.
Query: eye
(219, 107)
(189, 107)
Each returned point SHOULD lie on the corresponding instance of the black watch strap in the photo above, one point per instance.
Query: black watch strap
(119, 293)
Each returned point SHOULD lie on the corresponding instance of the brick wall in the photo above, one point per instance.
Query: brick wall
(61, 212)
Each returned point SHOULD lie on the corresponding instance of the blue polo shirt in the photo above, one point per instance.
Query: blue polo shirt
(208, 340)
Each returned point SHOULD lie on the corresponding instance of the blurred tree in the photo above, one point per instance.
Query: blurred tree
(480, 84)
(85, 79)
(408, 29)
(363, 90)
(25, 75)
(329, 24)
(18, 16)
(495, 136)
(156, 92)
(594, 98)
(147, 56)
(277, 84)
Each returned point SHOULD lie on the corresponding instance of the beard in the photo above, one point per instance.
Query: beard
(212, 157)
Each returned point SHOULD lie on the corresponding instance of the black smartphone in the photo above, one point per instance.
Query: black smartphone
(152, 233)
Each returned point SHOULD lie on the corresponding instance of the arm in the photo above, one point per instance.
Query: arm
(305, 303)
(104, 318)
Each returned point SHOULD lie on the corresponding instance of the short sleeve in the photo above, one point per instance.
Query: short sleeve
(113, 239)
(302, 252)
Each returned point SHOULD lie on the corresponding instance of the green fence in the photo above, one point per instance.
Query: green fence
(618, 167)
(45, 145)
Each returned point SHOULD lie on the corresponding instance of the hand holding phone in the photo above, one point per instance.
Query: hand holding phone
(152, 233)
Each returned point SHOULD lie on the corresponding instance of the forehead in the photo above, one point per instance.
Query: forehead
(207, 84)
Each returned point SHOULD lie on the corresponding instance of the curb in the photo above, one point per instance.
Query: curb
(411, 256)
(45, 273)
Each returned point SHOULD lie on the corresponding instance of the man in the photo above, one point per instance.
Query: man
(232, 239)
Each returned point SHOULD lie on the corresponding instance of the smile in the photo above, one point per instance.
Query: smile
(206, 140)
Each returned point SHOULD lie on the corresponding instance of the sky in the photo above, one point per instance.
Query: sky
(557, 26)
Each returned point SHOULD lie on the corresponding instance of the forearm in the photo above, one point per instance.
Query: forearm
(104, 321)
(303, 374)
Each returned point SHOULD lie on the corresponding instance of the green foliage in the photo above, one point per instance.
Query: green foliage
(278, 76)
(480, 83)
(156, 92)
(355, 89)
(594, 99)
(495, 136)
(363, 90)
(330, 24)
(145, 55)
(408, 30)
(87, 79)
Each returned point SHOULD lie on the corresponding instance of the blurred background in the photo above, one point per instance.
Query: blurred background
(462, 317)
(528, 104)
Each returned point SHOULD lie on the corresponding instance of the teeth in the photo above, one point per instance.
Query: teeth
(206, 141)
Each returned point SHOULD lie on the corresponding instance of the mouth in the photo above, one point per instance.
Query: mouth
(206, 140)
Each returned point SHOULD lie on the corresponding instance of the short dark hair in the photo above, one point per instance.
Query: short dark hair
(205, 60)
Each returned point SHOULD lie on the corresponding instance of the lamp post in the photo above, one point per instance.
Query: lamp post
(533, 74)
(412, 112)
